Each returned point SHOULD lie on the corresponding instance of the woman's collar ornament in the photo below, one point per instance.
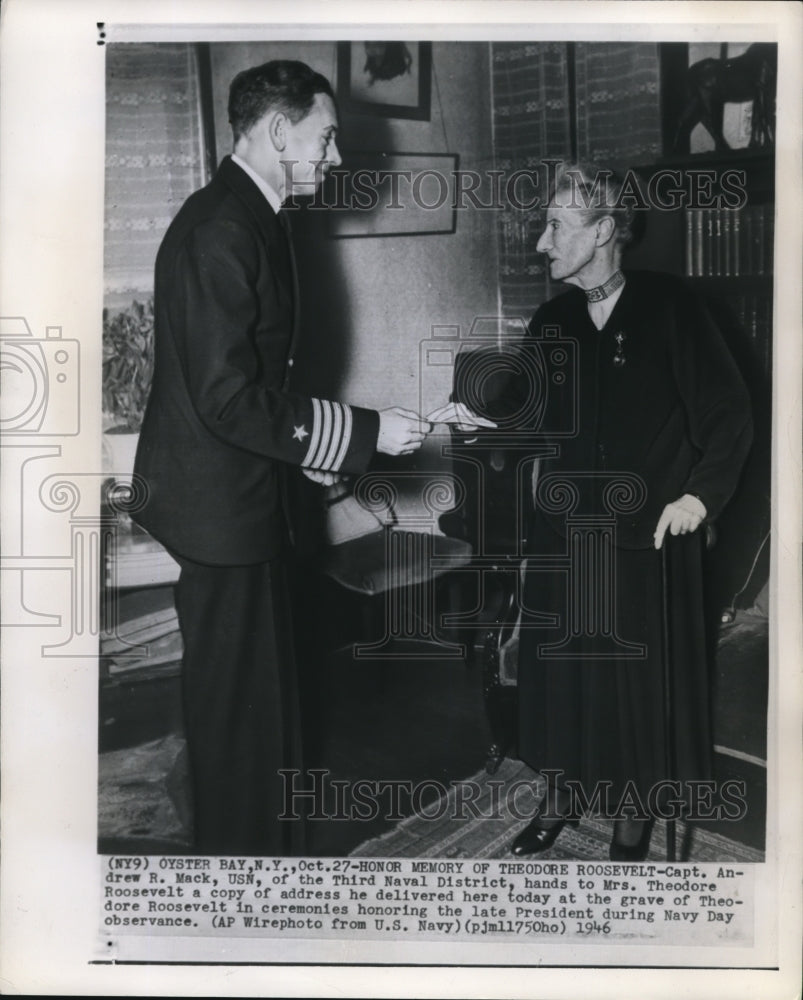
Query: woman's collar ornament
(616, 280)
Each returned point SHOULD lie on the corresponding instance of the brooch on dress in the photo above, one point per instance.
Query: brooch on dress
(619, 358)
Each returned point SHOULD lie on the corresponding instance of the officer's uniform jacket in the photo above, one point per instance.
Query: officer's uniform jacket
(222, 423)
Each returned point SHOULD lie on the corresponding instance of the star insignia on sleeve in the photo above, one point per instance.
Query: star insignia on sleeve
(299, 433)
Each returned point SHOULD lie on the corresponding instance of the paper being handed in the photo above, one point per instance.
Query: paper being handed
(460, 415)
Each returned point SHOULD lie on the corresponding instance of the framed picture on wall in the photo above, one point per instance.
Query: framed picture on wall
(391, 79)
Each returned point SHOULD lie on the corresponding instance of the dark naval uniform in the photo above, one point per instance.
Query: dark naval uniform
(222, 430)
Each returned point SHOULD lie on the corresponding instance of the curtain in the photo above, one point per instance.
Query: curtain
(154, 158)
(617, 120)
(531, 124)
(617, 87)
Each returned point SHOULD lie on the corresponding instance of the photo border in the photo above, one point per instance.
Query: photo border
(48, 907)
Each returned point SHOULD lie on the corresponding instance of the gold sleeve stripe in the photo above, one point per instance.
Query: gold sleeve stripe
(348, 423)
(323, 431)
(331, 433)
(327, 462)
(315, 436)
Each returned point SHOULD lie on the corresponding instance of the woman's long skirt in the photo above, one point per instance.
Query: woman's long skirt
(598, 714)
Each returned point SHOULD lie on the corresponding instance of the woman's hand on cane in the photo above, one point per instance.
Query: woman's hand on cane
(680, 517)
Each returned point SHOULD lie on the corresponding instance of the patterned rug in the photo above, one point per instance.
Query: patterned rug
(143, 797)
(142, 793)
(485, 828)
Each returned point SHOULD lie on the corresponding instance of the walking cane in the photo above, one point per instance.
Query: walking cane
(669, 727)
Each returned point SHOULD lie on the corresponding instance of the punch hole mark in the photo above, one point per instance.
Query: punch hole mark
(101, 32)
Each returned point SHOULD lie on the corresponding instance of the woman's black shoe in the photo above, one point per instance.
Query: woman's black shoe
(631, 852)
(534, 837)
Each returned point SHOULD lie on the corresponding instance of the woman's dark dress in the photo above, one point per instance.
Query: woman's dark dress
(675, 415)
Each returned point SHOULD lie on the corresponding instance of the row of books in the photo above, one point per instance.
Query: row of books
(724, 242)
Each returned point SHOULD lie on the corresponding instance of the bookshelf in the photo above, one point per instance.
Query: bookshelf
(725, 247)
(729, 243)
(728, 255)
(725, 253)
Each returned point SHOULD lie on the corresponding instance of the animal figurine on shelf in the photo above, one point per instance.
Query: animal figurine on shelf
(712, 83)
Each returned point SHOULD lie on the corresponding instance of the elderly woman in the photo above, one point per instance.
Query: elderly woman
(648, 436)
(649, 447)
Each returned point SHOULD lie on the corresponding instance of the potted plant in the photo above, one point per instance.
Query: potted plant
(127, 373)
